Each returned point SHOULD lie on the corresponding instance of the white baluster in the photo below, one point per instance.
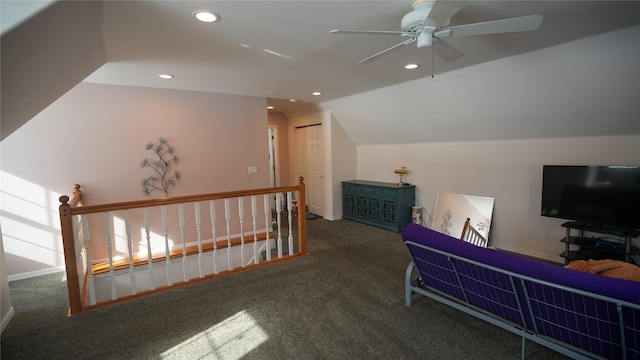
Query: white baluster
(147, 232)
(77, 244)
(290, 218)
(254, 213)
(132, 270)
(241, 215)
(267, 221)
(279, 220)
(167, 251)
(184, 242)
(200, 268)
(87, 250)
(107, 237)
(227, 216)
(212, 207)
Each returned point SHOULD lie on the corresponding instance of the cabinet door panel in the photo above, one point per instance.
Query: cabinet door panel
(374, 209)
(389, 210)
(349, 206)
(361, 206)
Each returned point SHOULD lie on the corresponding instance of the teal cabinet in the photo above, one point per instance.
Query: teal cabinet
(385, 205)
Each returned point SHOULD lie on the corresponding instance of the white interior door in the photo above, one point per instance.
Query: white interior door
(309, 164)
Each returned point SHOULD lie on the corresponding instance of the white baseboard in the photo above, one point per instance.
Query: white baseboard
(31, 274)
(6, 319)
(534, 254)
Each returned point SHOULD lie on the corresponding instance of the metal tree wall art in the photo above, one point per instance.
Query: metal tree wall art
(161, 179)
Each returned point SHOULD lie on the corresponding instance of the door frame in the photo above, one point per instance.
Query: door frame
(274, 156)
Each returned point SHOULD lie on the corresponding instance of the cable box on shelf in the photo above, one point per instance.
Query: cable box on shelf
(596, 247)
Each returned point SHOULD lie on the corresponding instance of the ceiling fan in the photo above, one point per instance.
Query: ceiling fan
(428, 24)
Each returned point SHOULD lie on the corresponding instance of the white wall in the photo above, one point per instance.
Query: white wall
(344, 165)
(509, 171)
(95, 135)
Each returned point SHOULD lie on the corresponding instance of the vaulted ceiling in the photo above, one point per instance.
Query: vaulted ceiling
(283, 49)
(280, 50)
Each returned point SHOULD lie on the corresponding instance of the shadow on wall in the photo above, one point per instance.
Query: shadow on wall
(33, 242)
(25, 267)
(30, 226)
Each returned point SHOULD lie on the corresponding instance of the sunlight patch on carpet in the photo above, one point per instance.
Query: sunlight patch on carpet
(230, 339)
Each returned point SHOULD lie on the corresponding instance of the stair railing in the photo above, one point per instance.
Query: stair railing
(115, 252)
(473, 236)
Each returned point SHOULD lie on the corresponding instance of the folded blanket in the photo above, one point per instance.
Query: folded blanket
(607, 267)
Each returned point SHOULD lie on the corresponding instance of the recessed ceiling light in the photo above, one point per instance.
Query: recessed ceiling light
(411, 66)
(165, 76)
(317, 93)
(206, 16)
(270, 107)
(293, 100)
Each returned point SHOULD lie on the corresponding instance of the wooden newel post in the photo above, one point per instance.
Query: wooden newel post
(73, 285)
(302, 217)
(76, 198)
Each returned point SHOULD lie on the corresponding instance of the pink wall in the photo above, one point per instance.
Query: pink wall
(95, 136)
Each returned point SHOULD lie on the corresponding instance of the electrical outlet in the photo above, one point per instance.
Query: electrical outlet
(252, 170)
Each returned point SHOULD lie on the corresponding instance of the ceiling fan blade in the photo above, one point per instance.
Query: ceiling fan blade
(523, 23)
(445, 51)
(409, 41)
(371, 32)
(442, 11)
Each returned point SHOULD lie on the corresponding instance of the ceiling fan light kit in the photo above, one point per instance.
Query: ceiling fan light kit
(429, 20)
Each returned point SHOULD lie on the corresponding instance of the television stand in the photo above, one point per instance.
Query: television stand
(596, 247)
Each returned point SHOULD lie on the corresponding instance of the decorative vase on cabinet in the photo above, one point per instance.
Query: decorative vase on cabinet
(385, 205)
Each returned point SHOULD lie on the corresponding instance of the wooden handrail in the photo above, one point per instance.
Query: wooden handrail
(177, 200)
(71, 207)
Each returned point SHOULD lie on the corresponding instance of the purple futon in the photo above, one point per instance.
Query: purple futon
(578, 314)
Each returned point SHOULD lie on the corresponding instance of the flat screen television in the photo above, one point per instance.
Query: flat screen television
(598, 196)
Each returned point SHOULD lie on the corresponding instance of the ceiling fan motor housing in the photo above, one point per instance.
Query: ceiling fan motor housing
(414, 22)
